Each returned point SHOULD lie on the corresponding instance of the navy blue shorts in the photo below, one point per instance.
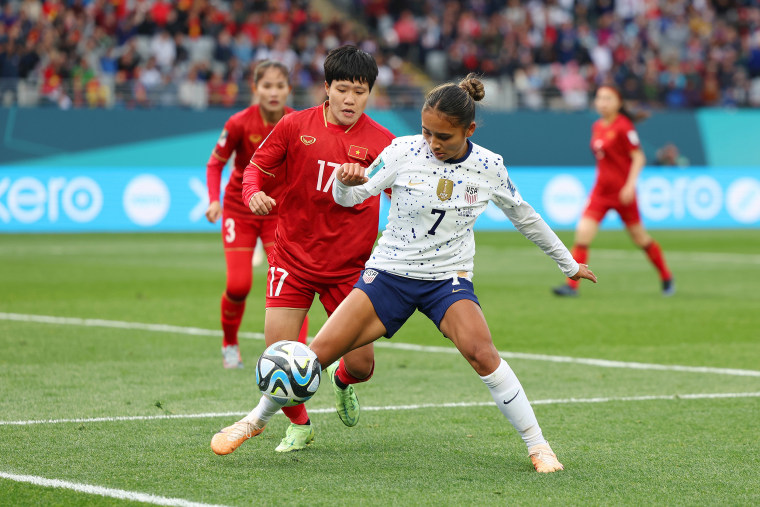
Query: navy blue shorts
(395, 298)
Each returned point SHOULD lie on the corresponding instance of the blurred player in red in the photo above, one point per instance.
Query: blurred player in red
(243, 134)
(320, 247)
(620, 160)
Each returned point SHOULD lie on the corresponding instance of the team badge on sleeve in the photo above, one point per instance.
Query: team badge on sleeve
(369, 275)
(471, 194)
(445, 189)
(357, 152)
(222, 138)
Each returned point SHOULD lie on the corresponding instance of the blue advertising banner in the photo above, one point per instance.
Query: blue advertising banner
(120, 199)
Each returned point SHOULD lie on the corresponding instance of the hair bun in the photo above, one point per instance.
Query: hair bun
(473, 86)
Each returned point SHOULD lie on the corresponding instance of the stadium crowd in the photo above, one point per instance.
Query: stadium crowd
(671, 53)
(546, 53)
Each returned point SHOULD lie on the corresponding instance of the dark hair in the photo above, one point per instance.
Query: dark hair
(262, 67)
(457, 101)
(349, 63)
(635, 115)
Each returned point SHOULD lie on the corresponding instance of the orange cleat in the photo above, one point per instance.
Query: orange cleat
(544, 460)
(232, 437)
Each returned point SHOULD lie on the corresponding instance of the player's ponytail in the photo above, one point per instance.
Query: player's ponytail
(457, 101)
(635, 115)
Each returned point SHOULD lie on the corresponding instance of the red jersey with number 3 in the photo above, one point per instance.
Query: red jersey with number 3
(243, 134)
(612, 145)
(318, 239)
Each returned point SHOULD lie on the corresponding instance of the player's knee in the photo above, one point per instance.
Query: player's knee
(483, 358)
(236, 294)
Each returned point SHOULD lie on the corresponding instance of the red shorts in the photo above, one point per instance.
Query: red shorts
(239, 233)
(598, 206)
(286, 290)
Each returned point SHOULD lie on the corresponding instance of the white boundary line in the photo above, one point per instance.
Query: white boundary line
(165, 328)
(100, 490)
(559, 401)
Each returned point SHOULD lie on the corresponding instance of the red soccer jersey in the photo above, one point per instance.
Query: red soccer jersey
(316, 238)
(612, 145)
(243, 133)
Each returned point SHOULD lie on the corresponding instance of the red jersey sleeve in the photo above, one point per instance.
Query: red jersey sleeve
(225, 145)
(629, 135)
(268, 160)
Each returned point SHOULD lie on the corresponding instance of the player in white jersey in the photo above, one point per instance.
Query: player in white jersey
(441, 182)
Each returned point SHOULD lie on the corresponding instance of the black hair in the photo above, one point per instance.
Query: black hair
(349, 63)
(634, 115)
(457, 101)
(262, 67)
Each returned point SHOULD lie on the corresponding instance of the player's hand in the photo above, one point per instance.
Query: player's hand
(584, 272)
(214, 211)
(261, 203)
(627, 194)
(351, 174)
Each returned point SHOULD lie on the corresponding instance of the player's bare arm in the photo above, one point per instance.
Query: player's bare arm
(584, 272)
(261, 203)
(352, 174)
(214, 211)
(628, 192)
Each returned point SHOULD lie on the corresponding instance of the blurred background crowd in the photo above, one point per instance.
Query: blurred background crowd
(533, 53)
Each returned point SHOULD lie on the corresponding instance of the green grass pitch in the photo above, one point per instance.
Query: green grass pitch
(84, 401)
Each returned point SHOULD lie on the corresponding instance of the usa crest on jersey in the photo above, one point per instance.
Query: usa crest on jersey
(369, 275)
(471, 194)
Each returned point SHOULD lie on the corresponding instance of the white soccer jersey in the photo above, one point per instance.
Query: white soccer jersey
(434, 206)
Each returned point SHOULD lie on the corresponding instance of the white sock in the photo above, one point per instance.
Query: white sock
(264, 411)
(511, 399)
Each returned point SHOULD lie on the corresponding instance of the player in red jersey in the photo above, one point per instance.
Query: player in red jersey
(320, 247)
(243, 134)
(620, 160)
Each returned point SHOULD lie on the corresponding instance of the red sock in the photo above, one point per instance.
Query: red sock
(347, 378)
(654, 252)
(304, 333)
(232, 315)
(580, 254)
(297, 414)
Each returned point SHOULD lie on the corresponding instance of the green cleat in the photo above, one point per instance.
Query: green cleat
(297, 437)
(346, 401)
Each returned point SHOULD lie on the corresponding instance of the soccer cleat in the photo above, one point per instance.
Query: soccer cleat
(544, 460)
(231, 357)
(346, 401)
(232, 437)
(668, 287)
(297, 437)
(565, 291)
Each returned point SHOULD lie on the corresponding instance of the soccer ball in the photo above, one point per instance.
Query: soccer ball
(288, 373)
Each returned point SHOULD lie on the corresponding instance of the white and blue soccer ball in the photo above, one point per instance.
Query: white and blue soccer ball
(288, 373)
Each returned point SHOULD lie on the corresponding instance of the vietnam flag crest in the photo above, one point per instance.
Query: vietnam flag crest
(357, 152)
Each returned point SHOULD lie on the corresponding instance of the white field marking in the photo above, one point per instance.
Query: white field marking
(165, 328)
(463, 404)
(102, 491)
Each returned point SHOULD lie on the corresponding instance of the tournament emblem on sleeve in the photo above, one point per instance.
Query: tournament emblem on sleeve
(222, 138)
(471, 194)
(357, 152)
(369, 275)
(445, 189)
